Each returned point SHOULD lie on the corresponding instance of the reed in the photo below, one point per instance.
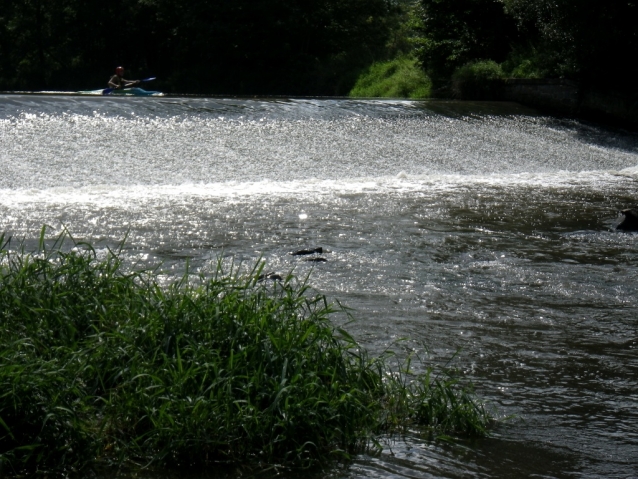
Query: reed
(101, 365)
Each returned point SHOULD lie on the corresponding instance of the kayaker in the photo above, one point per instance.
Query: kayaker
(117, 81)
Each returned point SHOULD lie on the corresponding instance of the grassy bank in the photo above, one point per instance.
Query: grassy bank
(100, 365)
(399, 78)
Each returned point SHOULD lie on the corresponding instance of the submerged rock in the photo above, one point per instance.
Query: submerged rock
(272, 276)
(318, 250)
(317, 260)
(630, 221)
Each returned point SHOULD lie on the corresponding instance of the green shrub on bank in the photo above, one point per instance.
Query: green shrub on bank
(100, 365)
(479, 80)
(532, 63)
(399, 78)
(522, 68)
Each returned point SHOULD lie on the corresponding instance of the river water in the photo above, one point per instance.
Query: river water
(482, 228)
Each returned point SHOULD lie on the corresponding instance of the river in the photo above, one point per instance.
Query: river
(485, 229)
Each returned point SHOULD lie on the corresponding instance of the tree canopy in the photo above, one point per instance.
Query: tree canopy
(590, 41)
(311, 47)
(204, 46)
(456, 32)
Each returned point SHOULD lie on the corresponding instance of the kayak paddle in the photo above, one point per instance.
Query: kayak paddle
(106, 91)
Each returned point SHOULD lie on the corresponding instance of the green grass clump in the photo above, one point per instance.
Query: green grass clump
(100, 365)
(399, 78)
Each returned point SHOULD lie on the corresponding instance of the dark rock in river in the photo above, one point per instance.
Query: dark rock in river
(273, 276)
(317, 260)
(630, 221)
(307, 251)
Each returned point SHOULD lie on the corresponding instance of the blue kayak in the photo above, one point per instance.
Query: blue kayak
(123, 92)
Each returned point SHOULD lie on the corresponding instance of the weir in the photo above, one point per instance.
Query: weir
(561, 97)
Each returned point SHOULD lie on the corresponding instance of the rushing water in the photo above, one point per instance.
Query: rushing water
(480, 227)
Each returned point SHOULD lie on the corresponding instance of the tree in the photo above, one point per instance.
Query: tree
(202, 46)
(590, 41)
(455, 32)
(271, 46)
(69, 44)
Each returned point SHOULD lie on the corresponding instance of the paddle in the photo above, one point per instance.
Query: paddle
(107, 91)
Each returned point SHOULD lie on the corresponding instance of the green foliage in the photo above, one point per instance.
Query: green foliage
(405, 27)
(477, 81)
(400, 78)
(527, 63)
(587, 40)
(550, 47)
(478, 71)
(42, 412)
(100, 365)
(309, 47)
(455, 32)
(238, 47)
(71, 44)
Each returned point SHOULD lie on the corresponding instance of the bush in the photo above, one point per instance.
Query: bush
(41, 409)
(531, 63)
(480, 80)
(101, 365)
(399, 78)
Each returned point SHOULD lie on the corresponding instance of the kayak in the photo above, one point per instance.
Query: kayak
(124, 92)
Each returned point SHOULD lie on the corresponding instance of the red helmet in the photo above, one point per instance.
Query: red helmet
(119, 70)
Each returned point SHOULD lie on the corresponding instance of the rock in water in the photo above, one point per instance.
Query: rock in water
(307, 251)
(272, 276)
(630, 221)
(316, 260)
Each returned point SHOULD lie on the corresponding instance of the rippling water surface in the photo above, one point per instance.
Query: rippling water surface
(484, 227)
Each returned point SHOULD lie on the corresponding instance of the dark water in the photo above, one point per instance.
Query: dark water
(480, 227)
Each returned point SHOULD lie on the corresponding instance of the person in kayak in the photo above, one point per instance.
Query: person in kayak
(117, 81)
